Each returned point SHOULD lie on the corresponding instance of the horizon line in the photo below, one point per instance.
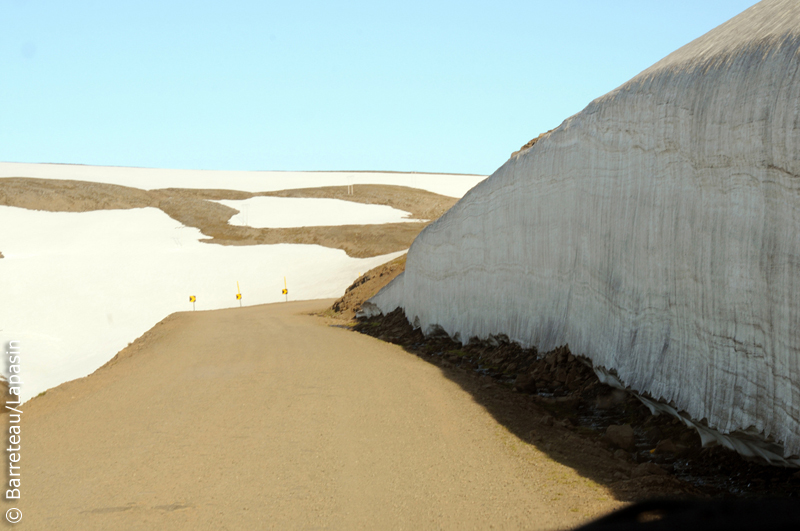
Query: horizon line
(274, 171)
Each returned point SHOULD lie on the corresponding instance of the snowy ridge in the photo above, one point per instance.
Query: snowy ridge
(453, 185)
(656, 232)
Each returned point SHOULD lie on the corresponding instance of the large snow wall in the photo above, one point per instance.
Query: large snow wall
(656, 232)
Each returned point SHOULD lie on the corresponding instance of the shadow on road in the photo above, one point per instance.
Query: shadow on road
(554, 402)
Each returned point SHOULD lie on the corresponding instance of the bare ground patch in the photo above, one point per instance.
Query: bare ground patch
(364, 287)
(422, 205)
(197, 208)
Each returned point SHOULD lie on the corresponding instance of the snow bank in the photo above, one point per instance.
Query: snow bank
(280, 212)
(656, 232)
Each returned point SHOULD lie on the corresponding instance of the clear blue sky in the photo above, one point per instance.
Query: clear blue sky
(300, 85)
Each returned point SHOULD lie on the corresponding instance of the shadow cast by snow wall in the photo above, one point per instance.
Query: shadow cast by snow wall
(657, 232)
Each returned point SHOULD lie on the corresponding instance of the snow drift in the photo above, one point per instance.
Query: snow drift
(656, 232)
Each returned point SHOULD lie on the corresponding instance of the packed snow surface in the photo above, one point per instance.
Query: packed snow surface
(78, 287)
(246, 181)
(656, 232)
(280, 212)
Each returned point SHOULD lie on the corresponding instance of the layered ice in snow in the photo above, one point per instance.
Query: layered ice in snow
(656, 232)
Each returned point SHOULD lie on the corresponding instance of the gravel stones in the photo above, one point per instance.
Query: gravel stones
(648, 469)
(621, 436)
(666, 446)
(525, 383)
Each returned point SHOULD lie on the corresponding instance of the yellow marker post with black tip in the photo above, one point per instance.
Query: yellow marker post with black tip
(285, 289)
(238, 294)
(192, 299)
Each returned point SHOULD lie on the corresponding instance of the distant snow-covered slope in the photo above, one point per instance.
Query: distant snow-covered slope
(76, 287)
(452, 185)
(656, 232)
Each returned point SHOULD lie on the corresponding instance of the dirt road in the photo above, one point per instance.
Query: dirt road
(268, 418)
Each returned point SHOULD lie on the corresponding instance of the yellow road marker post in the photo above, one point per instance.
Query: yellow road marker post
(285, 289)
(238, 294)
(192, 299)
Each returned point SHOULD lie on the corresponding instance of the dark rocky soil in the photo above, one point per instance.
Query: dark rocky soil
(564, 385)
(364, 287)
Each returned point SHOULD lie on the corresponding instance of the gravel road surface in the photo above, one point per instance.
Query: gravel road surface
(267, 417)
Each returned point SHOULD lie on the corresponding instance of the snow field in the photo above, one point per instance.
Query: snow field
(78, 287)
(246, 181)
(280, 212)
